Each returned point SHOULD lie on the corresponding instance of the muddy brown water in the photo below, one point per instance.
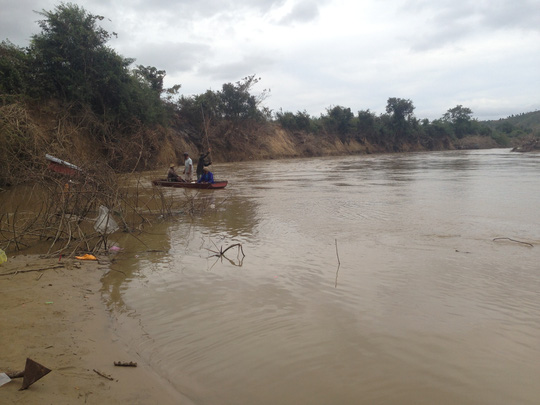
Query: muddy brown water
(366, 280)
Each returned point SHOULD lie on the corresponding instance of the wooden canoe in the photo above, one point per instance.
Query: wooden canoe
(186, 184)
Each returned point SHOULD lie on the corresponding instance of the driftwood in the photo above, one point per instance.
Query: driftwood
(15, 374)
(338, 265)
(513, 240)
(125, 364)
(108, 377)
(28, 271)
(222, 252)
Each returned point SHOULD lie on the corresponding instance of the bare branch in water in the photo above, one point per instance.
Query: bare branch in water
(339, 264)
(513, 240)
(221, 254)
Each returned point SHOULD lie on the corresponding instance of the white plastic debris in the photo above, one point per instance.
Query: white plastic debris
(4, 379)
(105, 223)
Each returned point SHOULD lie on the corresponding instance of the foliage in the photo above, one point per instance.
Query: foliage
(237, 103)
(13, 69)
(460, 119)
(69, 53)
(70, 61)
(367, 125)
(301, 121)
(233, 107)
(401, 110)
(339, 120)
(70, 65)
(526, 122)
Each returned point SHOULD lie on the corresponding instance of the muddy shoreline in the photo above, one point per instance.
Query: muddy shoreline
(53, 312)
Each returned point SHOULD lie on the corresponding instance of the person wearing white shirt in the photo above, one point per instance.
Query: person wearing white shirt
(188, 169)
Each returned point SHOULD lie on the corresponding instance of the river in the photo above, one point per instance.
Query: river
(381, 279)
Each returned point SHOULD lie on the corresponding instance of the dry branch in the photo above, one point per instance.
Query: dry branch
(28, 271)
(513, 240)
(125, 364)
(108, 377)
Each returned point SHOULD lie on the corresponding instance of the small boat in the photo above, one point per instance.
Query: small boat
(187, 184)
(61, 166)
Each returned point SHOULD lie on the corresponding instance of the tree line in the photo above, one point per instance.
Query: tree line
(69, 61)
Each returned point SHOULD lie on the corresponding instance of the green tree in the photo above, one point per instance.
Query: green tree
(367, 125)
(151, 77)
(70, 61)
(438, 129)
(400, 109)
(506, 127)
(236, 101)
(67, 51)
(201, 109)
(461, 120)
(339, 120)
(401, 123)
(13, 69)
(301, 121)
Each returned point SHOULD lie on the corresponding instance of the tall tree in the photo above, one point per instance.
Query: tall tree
(13, 69)
(67, 51)
(367, 125)
(399, 108)
(238, 103)
(461, 120)
(339, 120)
(72, 62)
(401, 118)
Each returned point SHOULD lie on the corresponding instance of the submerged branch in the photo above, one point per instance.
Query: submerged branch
(513, 240)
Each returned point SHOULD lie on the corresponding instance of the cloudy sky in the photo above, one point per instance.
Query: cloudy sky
(315, 54)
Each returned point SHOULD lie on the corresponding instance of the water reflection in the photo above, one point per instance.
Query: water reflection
(426, 307)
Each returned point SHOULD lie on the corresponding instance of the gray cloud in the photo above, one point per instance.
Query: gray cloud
(234, 71)
(302, 12)
(177, 57)
(317, 53)
(448, 22)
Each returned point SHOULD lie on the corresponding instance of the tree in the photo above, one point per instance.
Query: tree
(366, 125)
(13, 69)
(237, 102)
(301, 121)
(458, 113)
(339, 120)
(400, 109)
(67, 51)
(70, 61)
(150, 77)
(401, 119)
(460, 119)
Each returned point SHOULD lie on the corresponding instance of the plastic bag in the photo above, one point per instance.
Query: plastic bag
(4, 378)
(86, 257)
(105, 223)
(3, 257)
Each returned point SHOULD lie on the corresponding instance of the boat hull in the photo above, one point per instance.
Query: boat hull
(185, 184)
(62, 167)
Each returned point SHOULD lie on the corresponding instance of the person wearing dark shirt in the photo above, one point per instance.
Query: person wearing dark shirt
(207, 176)
(171, 174)
(202, 163)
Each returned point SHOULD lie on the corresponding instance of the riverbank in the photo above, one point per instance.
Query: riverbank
(53, 313)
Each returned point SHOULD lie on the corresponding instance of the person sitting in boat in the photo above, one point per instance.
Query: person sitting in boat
(207, 176)
(172, 175)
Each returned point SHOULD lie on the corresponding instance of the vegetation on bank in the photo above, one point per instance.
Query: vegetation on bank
(70, 95)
